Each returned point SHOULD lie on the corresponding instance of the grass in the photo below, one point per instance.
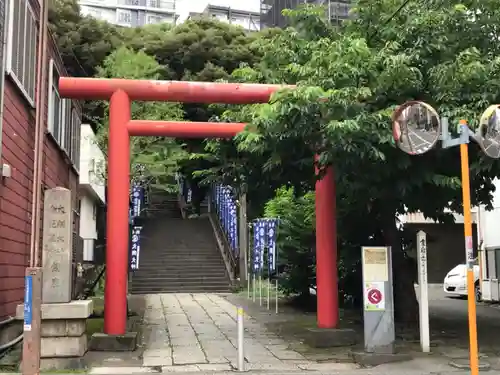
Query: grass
(262, 288)
(96, 324)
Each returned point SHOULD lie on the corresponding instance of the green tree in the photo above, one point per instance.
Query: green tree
(84, 42)
(349, 82)
(158, 155)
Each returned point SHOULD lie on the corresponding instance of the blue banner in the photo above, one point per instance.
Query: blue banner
(137, 199)
(259, 243)
(233, 226)
(136, 248)
(227, 212)
(272, 232)
(28, 303)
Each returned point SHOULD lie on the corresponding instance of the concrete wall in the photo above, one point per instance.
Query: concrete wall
(445, 247)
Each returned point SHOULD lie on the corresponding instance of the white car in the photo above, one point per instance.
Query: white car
(455, 282)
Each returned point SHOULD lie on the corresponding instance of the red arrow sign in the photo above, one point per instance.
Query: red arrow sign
(374, 296)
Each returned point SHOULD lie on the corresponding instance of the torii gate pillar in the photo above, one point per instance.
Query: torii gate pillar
(121, 92)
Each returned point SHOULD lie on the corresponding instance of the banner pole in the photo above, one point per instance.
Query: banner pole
(268, 292)
(260, 288)
(253, 287)
(276, 295)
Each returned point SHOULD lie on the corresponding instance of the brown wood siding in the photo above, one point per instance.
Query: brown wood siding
(18, 141)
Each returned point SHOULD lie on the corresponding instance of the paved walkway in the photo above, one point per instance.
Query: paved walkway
(199, 332)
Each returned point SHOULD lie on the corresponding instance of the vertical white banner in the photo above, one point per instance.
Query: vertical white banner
(423, 290)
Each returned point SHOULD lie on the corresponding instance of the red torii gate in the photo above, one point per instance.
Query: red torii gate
(120, 93)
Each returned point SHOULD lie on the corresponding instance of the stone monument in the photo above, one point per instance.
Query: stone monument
(57, 256)
(64, 340)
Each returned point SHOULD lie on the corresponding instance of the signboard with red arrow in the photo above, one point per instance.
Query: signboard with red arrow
(374, 296)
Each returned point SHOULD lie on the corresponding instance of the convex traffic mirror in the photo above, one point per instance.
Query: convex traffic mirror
(488, 132)
(416, 127)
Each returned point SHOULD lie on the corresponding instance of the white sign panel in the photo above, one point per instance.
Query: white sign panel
(374, 296)
(375, 264)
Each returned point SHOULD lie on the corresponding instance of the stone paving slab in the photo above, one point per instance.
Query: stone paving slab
(198, 332)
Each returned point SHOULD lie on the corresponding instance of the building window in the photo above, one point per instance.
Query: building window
(154, 3)
(154, 19)
(63, 120)
(21, 48)
(76, 124)
(132, 2)
(124, 17)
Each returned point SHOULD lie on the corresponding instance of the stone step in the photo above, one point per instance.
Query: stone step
(207, 253)
(192, 267)
(173, 276)
(184, 267)
(181, 289)
(219, 280)
(179, 255)
(201, 261)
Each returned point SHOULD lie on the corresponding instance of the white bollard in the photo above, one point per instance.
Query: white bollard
(241, 351)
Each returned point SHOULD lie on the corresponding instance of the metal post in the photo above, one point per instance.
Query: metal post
(32, 321)
(260, 289)
(253, 288)
(276, 296)
(241, 351)
(243, 248)
(469, 255)
(423, 290)
(268, 293)
(248, 287)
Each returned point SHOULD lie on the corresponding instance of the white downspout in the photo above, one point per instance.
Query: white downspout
(2, 76)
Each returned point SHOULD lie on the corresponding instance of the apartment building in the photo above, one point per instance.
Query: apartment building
(247, 19)
(130, 13)
(61, 119)
(271, 10)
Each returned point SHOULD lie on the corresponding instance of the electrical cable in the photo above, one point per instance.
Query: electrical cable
(401, 7)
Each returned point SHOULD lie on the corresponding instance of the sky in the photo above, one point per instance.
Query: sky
(184, 7)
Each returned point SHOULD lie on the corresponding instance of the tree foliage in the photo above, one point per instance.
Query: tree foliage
(349, 82)
(158, 155)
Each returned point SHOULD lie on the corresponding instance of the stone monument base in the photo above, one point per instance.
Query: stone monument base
(70, 363)
(63, 332)
(464, 364)
(113, 343)
(330, 337)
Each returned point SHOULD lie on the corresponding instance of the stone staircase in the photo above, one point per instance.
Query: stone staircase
(178, 255)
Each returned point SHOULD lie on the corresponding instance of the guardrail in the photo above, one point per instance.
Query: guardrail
(223, 201)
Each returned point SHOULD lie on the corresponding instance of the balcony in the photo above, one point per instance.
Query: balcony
(158, 6)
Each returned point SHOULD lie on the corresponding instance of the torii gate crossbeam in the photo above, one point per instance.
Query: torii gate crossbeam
(120, 93)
